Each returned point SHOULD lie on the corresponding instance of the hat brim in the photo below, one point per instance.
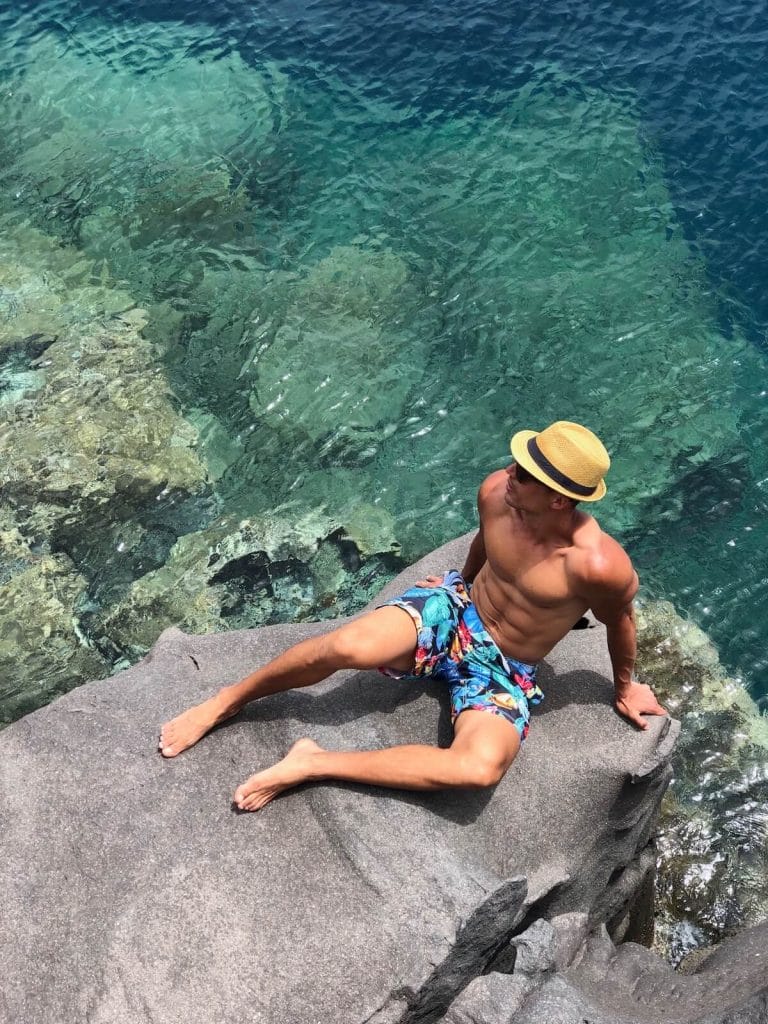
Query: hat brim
(519, 448)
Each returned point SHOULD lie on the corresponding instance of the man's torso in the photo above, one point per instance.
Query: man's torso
(527, 593)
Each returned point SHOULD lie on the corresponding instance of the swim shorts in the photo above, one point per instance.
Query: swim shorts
(454, 645)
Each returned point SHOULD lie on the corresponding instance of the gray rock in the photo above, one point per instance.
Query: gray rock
(491, 999)
(630, 985)
(137, 894)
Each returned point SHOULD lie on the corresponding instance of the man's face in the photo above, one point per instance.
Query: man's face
(525, 492)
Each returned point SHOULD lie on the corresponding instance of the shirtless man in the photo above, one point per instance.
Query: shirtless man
(536, 565)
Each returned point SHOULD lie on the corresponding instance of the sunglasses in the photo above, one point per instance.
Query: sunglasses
(523, 476)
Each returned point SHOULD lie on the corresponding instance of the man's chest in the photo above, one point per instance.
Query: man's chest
(539, 575)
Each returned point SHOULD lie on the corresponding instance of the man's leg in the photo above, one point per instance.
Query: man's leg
(484, 747)
(386, 636)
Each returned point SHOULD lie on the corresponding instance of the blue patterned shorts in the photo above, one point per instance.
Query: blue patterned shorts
(454, 645)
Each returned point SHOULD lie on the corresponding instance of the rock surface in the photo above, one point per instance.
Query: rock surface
(139, 895)
(730, 988)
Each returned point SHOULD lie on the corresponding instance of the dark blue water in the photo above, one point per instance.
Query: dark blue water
(699, 69)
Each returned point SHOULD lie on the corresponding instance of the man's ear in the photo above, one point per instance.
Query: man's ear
(559, 502)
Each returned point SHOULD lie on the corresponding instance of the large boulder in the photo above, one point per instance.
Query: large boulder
(132, 892)
(624, 985)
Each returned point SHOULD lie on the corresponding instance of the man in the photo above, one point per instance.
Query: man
(536, 565)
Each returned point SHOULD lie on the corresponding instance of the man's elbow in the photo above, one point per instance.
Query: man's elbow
(617, 619)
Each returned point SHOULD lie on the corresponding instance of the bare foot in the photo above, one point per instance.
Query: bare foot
(183, 732)
(264, 786)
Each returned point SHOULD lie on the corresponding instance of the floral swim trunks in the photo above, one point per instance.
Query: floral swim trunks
(454, 645)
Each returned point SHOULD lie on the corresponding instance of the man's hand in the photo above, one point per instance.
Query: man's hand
(638, 700)
(430, 581)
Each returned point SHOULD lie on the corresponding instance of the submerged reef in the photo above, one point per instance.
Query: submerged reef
(713, 843)
(93, 443)
(253, 572)
(42, 652)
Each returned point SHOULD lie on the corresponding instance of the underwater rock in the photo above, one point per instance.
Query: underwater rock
(253, 572)
(101, 439)
(682, 663)
(400, 899)
(47, 289)
(220, 450)
(70, 161)
(93, 436)
(713, 872)
(195, 211)
(355, 282)
(42, 651)
(335, 368)
(372, 530)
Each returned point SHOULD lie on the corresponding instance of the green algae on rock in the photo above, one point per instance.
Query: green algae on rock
(43, 652)
(101, 438)
(96, 435)
(239, 574)
(713, 874)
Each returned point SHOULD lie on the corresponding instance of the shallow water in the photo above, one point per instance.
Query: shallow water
(370, 243)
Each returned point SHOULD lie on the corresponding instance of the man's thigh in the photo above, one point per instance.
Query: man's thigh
(486, 737)
(384, 638)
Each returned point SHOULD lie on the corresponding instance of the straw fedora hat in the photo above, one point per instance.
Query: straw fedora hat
(566, 457)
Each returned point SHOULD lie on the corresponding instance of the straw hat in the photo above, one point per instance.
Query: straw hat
(566, 457)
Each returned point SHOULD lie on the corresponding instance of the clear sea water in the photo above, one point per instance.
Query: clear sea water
(374, 239)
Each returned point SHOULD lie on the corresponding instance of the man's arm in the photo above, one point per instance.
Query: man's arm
(476, 554)
(611, 603)
(475, 557)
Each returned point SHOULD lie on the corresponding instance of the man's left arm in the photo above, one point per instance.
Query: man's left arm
(612, 604)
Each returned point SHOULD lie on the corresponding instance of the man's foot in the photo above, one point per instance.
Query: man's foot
(183, 732)
(264, 786)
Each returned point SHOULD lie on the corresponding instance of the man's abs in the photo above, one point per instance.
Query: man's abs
(523, 629)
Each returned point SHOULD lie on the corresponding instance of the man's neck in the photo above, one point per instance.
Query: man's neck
(551, 528)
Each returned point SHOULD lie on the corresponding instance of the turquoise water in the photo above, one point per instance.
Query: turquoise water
(277, 287)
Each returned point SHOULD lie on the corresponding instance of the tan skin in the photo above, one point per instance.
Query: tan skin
(537, 564)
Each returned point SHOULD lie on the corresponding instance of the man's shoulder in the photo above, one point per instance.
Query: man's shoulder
(493, 486)
(599, 562)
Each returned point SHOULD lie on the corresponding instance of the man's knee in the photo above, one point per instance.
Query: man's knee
(482, 770)
(487, 745)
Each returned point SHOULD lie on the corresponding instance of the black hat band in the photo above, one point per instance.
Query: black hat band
(554, 474)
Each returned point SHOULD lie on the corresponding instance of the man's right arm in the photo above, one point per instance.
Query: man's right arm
(475, 557)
